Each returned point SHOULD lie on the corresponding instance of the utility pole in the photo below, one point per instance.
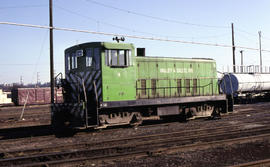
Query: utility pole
(242, 64)
(21, 80)
(233, 49)
(260, 45)
(37, 79)
(51, 51)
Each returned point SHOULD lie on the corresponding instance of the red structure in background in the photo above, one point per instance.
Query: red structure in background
(35, 96)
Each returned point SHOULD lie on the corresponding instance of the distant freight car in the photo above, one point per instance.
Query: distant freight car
(106, 84)
(246, 86)
(35, 96)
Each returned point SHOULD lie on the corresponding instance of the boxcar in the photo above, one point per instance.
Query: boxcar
(33, 96)
(106, 84)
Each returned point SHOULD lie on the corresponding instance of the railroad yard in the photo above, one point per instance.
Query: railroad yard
(135, 83)
(241, 138)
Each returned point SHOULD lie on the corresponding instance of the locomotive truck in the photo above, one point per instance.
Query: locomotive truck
(109, 84)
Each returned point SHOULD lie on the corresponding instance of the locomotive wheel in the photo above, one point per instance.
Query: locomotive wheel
(216, 113)
(230, 103)
(121, 118)
(136, 120)
(57, 124)
(201, 111)
(60, 125)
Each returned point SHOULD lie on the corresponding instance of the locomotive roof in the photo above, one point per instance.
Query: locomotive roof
(111, 45)
(114, 45)
(153, 58)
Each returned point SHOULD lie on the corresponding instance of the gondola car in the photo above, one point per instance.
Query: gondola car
(105, 84)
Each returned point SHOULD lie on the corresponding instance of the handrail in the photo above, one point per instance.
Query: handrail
(168, 90)
(58, 75)
(55, 78)
(243, 69)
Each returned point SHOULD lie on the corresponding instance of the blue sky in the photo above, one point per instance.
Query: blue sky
(25, 51)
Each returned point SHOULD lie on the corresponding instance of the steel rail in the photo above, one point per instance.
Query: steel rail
(260, 121)
(144, 149)
(158, 142)
(189, 134)
(260, 163)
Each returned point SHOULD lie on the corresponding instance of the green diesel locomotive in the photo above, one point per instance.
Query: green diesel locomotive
(110, 84)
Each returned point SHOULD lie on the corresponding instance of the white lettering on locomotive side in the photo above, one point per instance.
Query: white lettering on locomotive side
(177, 70)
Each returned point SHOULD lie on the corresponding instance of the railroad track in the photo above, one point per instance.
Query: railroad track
(26, 121)
(43, 118)
(114, 153)
(45, 133)
(146, 145)
(173, 141)
(8, 108)
(23, 132)
(15, 136)
(34, 115)
(260, 163)
(189, 134)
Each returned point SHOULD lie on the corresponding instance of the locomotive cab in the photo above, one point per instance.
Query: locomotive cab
(94, 73)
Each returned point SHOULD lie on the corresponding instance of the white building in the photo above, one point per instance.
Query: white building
(4, 98)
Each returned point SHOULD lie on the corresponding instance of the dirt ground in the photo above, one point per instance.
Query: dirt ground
(225, 155)
(213, 157)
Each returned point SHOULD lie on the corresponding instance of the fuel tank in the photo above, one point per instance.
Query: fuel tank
(232, 83)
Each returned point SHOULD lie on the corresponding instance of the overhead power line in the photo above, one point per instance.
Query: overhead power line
(246, 38)
(248, 33)
(15, 64)
(23, 6)
(128, 36)
(135, 31)
(155, 17)
(251, 34)
(265, 38)
(25, 64)
(102, 22)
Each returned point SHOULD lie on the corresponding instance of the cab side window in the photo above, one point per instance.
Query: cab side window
(89, 57)
(74, 61)
(114, 58)
(97, 57)
(67, 61)
(118, 58)
(92, 58)
(70, 61)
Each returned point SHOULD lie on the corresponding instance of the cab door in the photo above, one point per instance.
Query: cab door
(118, 75)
